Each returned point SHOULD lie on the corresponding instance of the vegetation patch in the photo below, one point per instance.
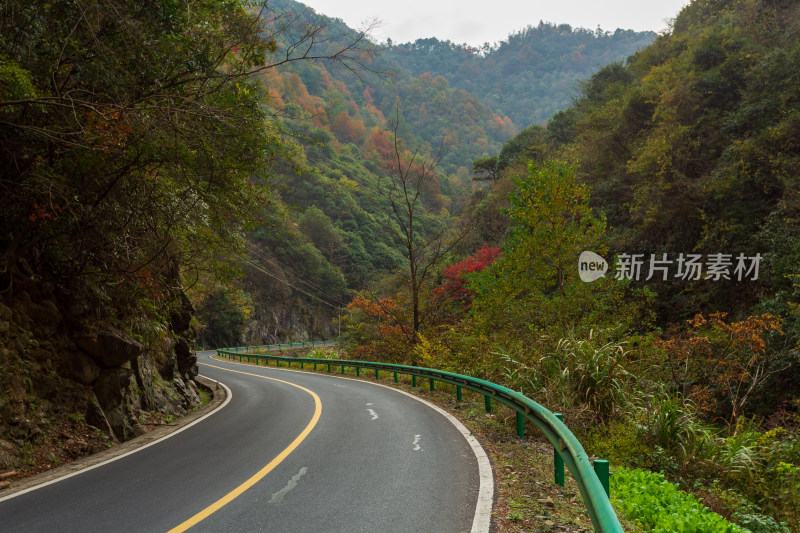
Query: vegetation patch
(655, 504)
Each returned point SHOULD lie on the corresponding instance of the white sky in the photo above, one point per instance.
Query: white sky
(475, 22)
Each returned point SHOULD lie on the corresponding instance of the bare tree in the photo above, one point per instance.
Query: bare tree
(427, 235)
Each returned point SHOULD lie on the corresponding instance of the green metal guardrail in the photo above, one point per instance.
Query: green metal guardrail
(592, 479)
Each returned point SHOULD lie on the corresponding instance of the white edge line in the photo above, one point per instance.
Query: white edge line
(483, 509)
(140, 448)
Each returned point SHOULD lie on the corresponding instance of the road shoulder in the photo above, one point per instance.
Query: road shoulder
(221, 395)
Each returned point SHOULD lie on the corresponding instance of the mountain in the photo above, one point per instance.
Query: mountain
(690, 146)
(327, 233)
(529, 76)
(344, 124)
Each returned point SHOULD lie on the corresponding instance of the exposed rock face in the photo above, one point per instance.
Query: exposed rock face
(111, 389)
(8, 457)
(83, 368)
(55, 372)
(185, 359)
(110, 349)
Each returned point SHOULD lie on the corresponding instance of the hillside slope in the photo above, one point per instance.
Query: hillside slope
(529, 76)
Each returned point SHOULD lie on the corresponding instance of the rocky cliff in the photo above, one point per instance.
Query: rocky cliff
(72, 382)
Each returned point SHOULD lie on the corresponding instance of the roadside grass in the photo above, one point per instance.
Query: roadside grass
(526, 497)
(205, 396)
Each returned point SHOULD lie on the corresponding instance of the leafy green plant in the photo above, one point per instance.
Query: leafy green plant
(78, 418)
(619, 442)
(514, 515)
(648, 499)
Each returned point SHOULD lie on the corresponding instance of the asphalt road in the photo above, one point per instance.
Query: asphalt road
(290, 452)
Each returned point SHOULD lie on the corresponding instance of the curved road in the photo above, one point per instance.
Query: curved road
(290, 452)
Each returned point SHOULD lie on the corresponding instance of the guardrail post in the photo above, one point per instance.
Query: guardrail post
(302, 365)
(413, 380)
(395, 377)
(520, 425)
(601, 469)
(377, 376)
(329, 367)
(433, 387)
(487, 402)
(558, 461)
(342, 369)
(458, 393)
(315, 366)
(358, 371)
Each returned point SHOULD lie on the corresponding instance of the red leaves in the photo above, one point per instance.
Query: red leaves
(40, 212)
(455, 286)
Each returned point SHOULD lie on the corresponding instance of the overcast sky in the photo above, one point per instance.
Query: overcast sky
(476, 22)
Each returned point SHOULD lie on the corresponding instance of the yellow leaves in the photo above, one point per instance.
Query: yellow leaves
(348, 183)
(242, 90)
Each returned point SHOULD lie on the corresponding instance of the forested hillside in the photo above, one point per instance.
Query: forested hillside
(530, 75)
(690, 147)
(334, 234)
(343, 124)
(134, 151)
(679, 167)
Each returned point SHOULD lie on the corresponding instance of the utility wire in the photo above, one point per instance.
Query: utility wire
(261, 255)
(257, 267)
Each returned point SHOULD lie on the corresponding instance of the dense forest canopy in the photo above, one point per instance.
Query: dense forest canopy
(529, 76)
(683, 157)
(689, 147)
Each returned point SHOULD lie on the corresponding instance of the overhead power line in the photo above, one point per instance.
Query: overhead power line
(261, 255)
(257, 267)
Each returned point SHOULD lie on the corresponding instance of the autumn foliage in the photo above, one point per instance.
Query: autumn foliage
(456, 276)
(374, 324)
(718, 364)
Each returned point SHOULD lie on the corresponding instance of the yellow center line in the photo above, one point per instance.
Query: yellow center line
(235, 493)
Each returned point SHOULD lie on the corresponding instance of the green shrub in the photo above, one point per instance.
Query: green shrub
(620, 443)
(649, 499)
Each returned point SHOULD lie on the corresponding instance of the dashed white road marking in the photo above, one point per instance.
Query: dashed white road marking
(373, 413)
(416, 442)
(483, 509)
(278, 496)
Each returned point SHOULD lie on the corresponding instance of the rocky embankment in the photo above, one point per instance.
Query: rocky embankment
(71, 385)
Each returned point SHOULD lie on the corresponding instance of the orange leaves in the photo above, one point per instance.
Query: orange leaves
(144, 279)
(108, 129)
(748, 333)
(722, 360)
(346, 129)
(391, 331)
(380, 308)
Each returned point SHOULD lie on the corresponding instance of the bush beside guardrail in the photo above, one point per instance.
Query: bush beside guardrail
(592, 479)
(285, 346)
